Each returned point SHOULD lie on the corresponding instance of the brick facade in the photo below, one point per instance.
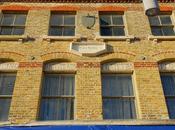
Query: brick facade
(35, 52)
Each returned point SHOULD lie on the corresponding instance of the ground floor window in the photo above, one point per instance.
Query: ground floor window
(118, 97)
(168, 83)
(7, 81)
(57, 101)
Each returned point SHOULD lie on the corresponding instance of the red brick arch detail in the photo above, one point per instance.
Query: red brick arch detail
(11, 56)
(167, 8)
(112, 8)
(15, 7)
(60, 55)
(65, 8)
(75, 8)
(163, 55)
(121, 55)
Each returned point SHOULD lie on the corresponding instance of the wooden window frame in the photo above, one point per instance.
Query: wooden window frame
(72, 97)
(121, 97)
(69, 14)
(163, 25)
(167, 96)
(13, 26)
(110, 14)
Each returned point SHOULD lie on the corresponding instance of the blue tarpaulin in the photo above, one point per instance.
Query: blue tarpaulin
(91, 127)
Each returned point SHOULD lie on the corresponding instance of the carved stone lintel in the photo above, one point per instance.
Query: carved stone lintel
(88, 48)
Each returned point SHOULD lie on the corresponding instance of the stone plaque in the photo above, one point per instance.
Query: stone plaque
(117, 67)
(167, 66)
(9, 66)
(88, 49)
(56, 66)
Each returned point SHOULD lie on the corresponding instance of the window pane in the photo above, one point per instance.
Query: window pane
(69, 20)
(168, 83)
(154, 20)
(156, 31)
(117, 20)
(18, 31)
(106, 31)
(56, 31)
(118, 31)
(56, 20)
(20, 19)
(57, 85)
(115, 85)
(165, 20)
(69, 31)
(56, 109)
(7, 82)
(6, 30)
(105, 19)
(4, 109)
(168, 31)
(8, 19)
(118, 109)
(171, 107)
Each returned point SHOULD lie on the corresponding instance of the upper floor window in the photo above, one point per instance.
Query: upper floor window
(7, 81)
(13, 23)
(112, 24)
(62, 24)
(162, 25)
(57, 97)
(168, 83)
(118, 97)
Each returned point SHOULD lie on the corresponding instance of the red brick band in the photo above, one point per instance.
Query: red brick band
(85, 1)
(76, 8)
(30, 64)
(88, 65)
(145, 65)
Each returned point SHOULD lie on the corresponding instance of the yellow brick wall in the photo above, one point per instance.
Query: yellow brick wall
(88, 99)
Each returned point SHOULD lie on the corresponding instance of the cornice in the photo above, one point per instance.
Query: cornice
(84, 1)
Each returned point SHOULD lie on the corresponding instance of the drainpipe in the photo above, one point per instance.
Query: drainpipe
(151, 7)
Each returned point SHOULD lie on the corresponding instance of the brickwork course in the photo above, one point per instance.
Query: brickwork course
(33, 53)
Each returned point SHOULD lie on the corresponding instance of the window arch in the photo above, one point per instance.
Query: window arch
(57, 102)
(7, 82)
(167, 74)
(117, 91)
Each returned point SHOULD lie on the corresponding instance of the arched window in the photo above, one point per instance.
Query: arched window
(57, 101)
(167, 72)
(7, 82)
(117, 91)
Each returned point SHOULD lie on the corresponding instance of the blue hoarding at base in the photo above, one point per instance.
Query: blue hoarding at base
(91, 127)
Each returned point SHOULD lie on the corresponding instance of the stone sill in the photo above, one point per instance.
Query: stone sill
(4, 123)
(161, 38)
(13, 37)
(116, 38)
(60, 38)
(97, 122)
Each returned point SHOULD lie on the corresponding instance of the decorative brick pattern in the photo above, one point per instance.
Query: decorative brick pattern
(145, 64)
(150, 101)
(88, 65)
(30, 64)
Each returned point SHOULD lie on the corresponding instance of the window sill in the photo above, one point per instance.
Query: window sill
(161, 38)
(20, 38)
(60, 38)
(105, 122)
(5, 123)
(116, 38)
